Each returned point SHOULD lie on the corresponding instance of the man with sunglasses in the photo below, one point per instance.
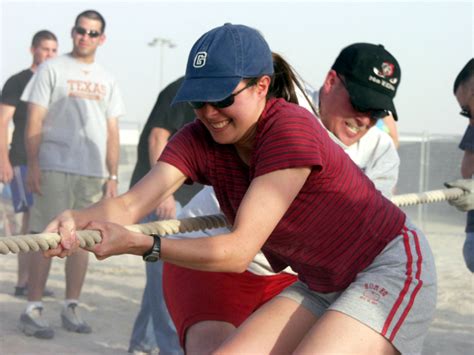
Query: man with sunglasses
(464, 92)
(72, 146)
(356, 93)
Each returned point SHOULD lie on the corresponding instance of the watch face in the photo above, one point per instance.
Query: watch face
(150, 258)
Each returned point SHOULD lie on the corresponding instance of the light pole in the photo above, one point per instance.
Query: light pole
(161, 43)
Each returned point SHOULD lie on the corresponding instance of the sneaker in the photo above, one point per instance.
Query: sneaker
(140, 351)
(22, 291)
(32, 324)
(72, 321)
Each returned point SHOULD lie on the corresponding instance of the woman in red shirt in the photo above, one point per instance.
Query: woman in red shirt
(366, 275)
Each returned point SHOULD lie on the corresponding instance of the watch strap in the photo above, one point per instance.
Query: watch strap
(154, 253)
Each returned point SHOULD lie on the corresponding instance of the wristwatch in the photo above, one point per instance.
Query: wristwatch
(113, 177)
(153, 255)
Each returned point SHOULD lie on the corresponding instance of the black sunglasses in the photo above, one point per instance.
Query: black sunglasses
(228, 101)
(375, 114)
(465, 112)
(90, 33)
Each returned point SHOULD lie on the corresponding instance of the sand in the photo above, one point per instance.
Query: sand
(112, 293)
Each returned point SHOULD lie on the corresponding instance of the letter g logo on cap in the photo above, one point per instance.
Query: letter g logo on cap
(200, 60)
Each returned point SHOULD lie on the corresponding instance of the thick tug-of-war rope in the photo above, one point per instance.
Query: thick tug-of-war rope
(88, 238)
(427, 197)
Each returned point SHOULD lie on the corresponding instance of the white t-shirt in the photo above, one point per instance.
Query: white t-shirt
(80, 98)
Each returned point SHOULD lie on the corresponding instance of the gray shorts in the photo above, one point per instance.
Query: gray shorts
(62, 191)
(395, 295)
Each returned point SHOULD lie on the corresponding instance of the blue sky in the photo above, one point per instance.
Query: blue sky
(432, 40)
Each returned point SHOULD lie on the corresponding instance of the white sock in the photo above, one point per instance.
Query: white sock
(32, 305)
(69, 301)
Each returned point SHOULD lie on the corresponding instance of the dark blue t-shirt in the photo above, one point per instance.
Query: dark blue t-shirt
(467, 143)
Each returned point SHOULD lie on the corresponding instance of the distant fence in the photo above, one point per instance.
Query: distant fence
(426, 162)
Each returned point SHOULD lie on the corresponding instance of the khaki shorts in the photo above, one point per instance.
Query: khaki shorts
(62, 191)
(395, 295)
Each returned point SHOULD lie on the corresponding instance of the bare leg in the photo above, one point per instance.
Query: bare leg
(23, 266)
(205, 337)
(277, 327)
(337, 333)
(76, 268)
(23, 258)
(38, 275)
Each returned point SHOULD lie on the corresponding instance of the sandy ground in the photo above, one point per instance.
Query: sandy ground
(112, 292)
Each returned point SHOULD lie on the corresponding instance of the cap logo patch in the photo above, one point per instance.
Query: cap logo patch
(200, 59)
(385, 72)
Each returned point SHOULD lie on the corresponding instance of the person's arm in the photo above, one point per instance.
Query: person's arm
(157, 140)
(465, 202)
(125, 209)
(231, 252)
(112, 157)
(467, 164)
(33, 136)
(392, 129)
(156, 143)
(6, 170)
(272, 193)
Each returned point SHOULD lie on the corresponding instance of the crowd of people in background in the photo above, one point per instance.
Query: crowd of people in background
(242, 121)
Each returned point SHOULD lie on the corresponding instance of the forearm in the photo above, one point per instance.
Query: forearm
(157, 141)
(33, 134)
(115, 210)
(233, 251)
(3, 142)
(32, 150)
(6, 113)
(136, 203)
(467, 165)
(221, 253)
(113, 147)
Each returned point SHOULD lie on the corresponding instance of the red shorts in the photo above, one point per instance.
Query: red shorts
(193, 296)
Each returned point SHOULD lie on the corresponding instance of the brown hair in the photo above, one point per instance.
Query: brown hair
(92, 15)
(41, 36)
(285, 80)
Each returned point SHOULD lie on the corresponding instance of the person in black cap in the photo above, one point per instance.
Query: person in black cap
(369, 75)
(367, 280)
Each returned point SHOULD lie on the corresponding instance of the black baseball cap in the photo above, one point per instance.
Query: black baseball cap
(371, 74)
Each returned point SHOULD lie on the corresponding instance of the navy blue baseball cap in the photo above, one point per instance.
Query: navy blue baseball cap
(220, 59)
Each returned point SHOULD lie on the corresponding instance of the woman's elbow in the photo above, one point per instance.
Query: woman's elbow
(240, 264)
(234, 264)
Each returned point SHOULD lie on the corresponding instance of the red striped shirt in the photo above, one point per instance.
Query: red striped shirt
(337, 224)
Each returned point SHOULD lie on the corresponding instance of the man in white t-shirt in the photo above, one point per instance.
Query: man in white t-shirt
(72, 145)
